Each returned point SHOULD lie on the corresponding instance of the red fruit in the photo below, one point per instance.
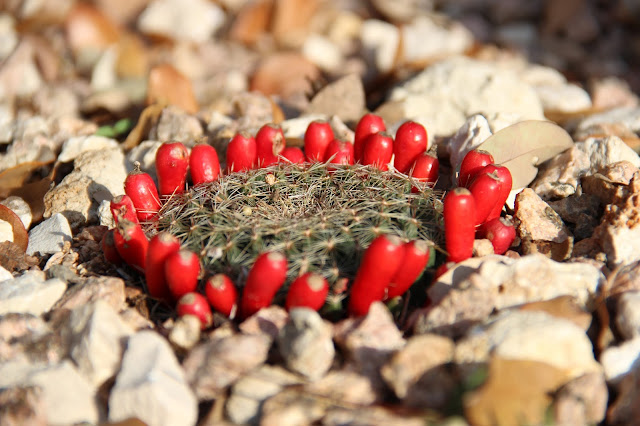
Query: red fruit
(181, 269)
(442, 269)
(459, 224)
(316, 139)
(195, 304)
(411, 141)
(416, 257)
(378, 150)
(501, 233)
(368, 125)
(293, 154)
(122, 207)
(425, 169)
(506, 183)
(270, 143)
(379, 265)
(139, 186)
(172, 162)
(204, 164)
(485, 189)
(241, 153)
(222, 294)
(265, 278)
(471, 165)
(131, 243)
(160, 247)
(309, 291)
(109, 249)
(339, 152)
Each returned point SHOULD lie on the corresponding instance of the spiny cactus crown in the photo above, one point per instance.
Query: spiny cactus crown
(320, 216)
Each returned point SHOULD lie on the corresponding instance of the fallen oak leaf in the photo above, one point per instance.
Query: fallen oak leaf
(523, 146)
(20, 234)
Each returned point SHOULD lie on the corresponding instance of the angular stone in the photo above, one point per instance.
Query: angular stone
(618, 361)
(176, 125)
(30, 293)
(380, 41)
(626, 407)
(306, 343)
(49, 236)
(151, 386)
(582, 401)
(92, 289)
(98, 337)
(75, 146)
(473, 132)
(446, 38)
(268, 322)
(190, 21)
(628, 314)
(185, 333)
(343, 98)
(22, 406)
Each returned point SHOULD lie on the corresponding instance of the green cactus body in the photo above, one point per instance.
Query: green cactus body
(320, 219)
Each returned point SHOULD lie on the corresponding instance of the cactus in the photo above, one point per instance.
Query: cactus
(321, 219)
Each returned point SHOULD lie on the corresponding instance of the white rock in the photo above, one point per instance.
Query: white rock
(20, 208)
(322, 52)
(49, 236)
(617, 361)
(7, 117)
(296, 127)
(561, 176)
(446, 93)
(530, 335)
(8, 35)
(5, 275)
(6, 231)
(563, 98)
(105, 218)
(151, 385)
(628, 116)
(433, 37)
(103, 76)
(145, 154)
(473, 132)
(97, 341)
(75, 146)
(380, 41)
(30, 293)
(187, 20)
(68, 398)
(628, 314)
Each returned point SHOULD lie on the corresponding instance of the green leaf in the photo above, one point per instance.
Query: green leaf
(523, 146)
(106, 131)
(123, 126)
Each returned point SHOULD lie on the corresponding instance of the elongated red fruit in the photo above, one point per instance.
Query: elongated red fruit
(204, 164)
(379, 265)
(161, 246)
(471, 165)
(266, 276)
(109, 249)
(270, 143)
(339, 152)
(309, 291)
(172, 162)
(425, 169)
(378, 150)
(141, 188)
(485, 189)
(416, 257)
(122, 206)
(411, 141)
(500, 232)
(131, 243)
(222, 294)
(316, 139)
(506, 184)
(293, 154)
(181, 269)
(367, 125)
(241, 153)
(195, 304)
(459, 214)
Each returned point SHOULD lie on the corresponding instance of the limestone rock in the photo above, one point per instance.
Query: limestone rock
(268, 322)
(30, 293)
(618, 361)
(628, 314)
(176, 125)
(582, 401)
(380, 42)
(192, 20)
(107, 289)
(75, 146)
(21, 208)
(49, 236)
(343, 98)
(446, 38)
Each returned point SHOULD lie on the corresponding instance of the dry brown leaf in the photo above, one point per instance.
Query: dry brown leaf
(33, 194)
(87, 27)
(276, 112)
(291, 20)
(167, 85)
(284, 74)
(562, 307)
(251, 22)
(524, 145)
(148, 118)
(16, 176)
(133, 59)
(20, 235)
(515, 393)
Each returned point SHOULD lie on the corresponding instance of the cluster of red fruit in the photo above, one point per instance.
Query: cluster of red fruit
(473, 209)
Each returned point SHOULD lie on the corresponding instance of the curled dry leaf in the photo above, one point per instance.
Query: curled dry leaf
(88, 27)
(20, 235)
(523, 146)
(168, 85)
(148, 118)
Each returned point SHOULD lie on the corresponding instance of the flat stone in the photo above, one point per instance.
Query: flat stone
(92, 289)
(30, 293)
(343, 98)
(345, 385)
(73, 147)
(191, 21)
(98, 337)
(49, 236)
(617, 361)
(306, 343)
(151, 385)
(629, 116)
(176, 125)
(296, 127)
(323, 52)
(446, 38)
